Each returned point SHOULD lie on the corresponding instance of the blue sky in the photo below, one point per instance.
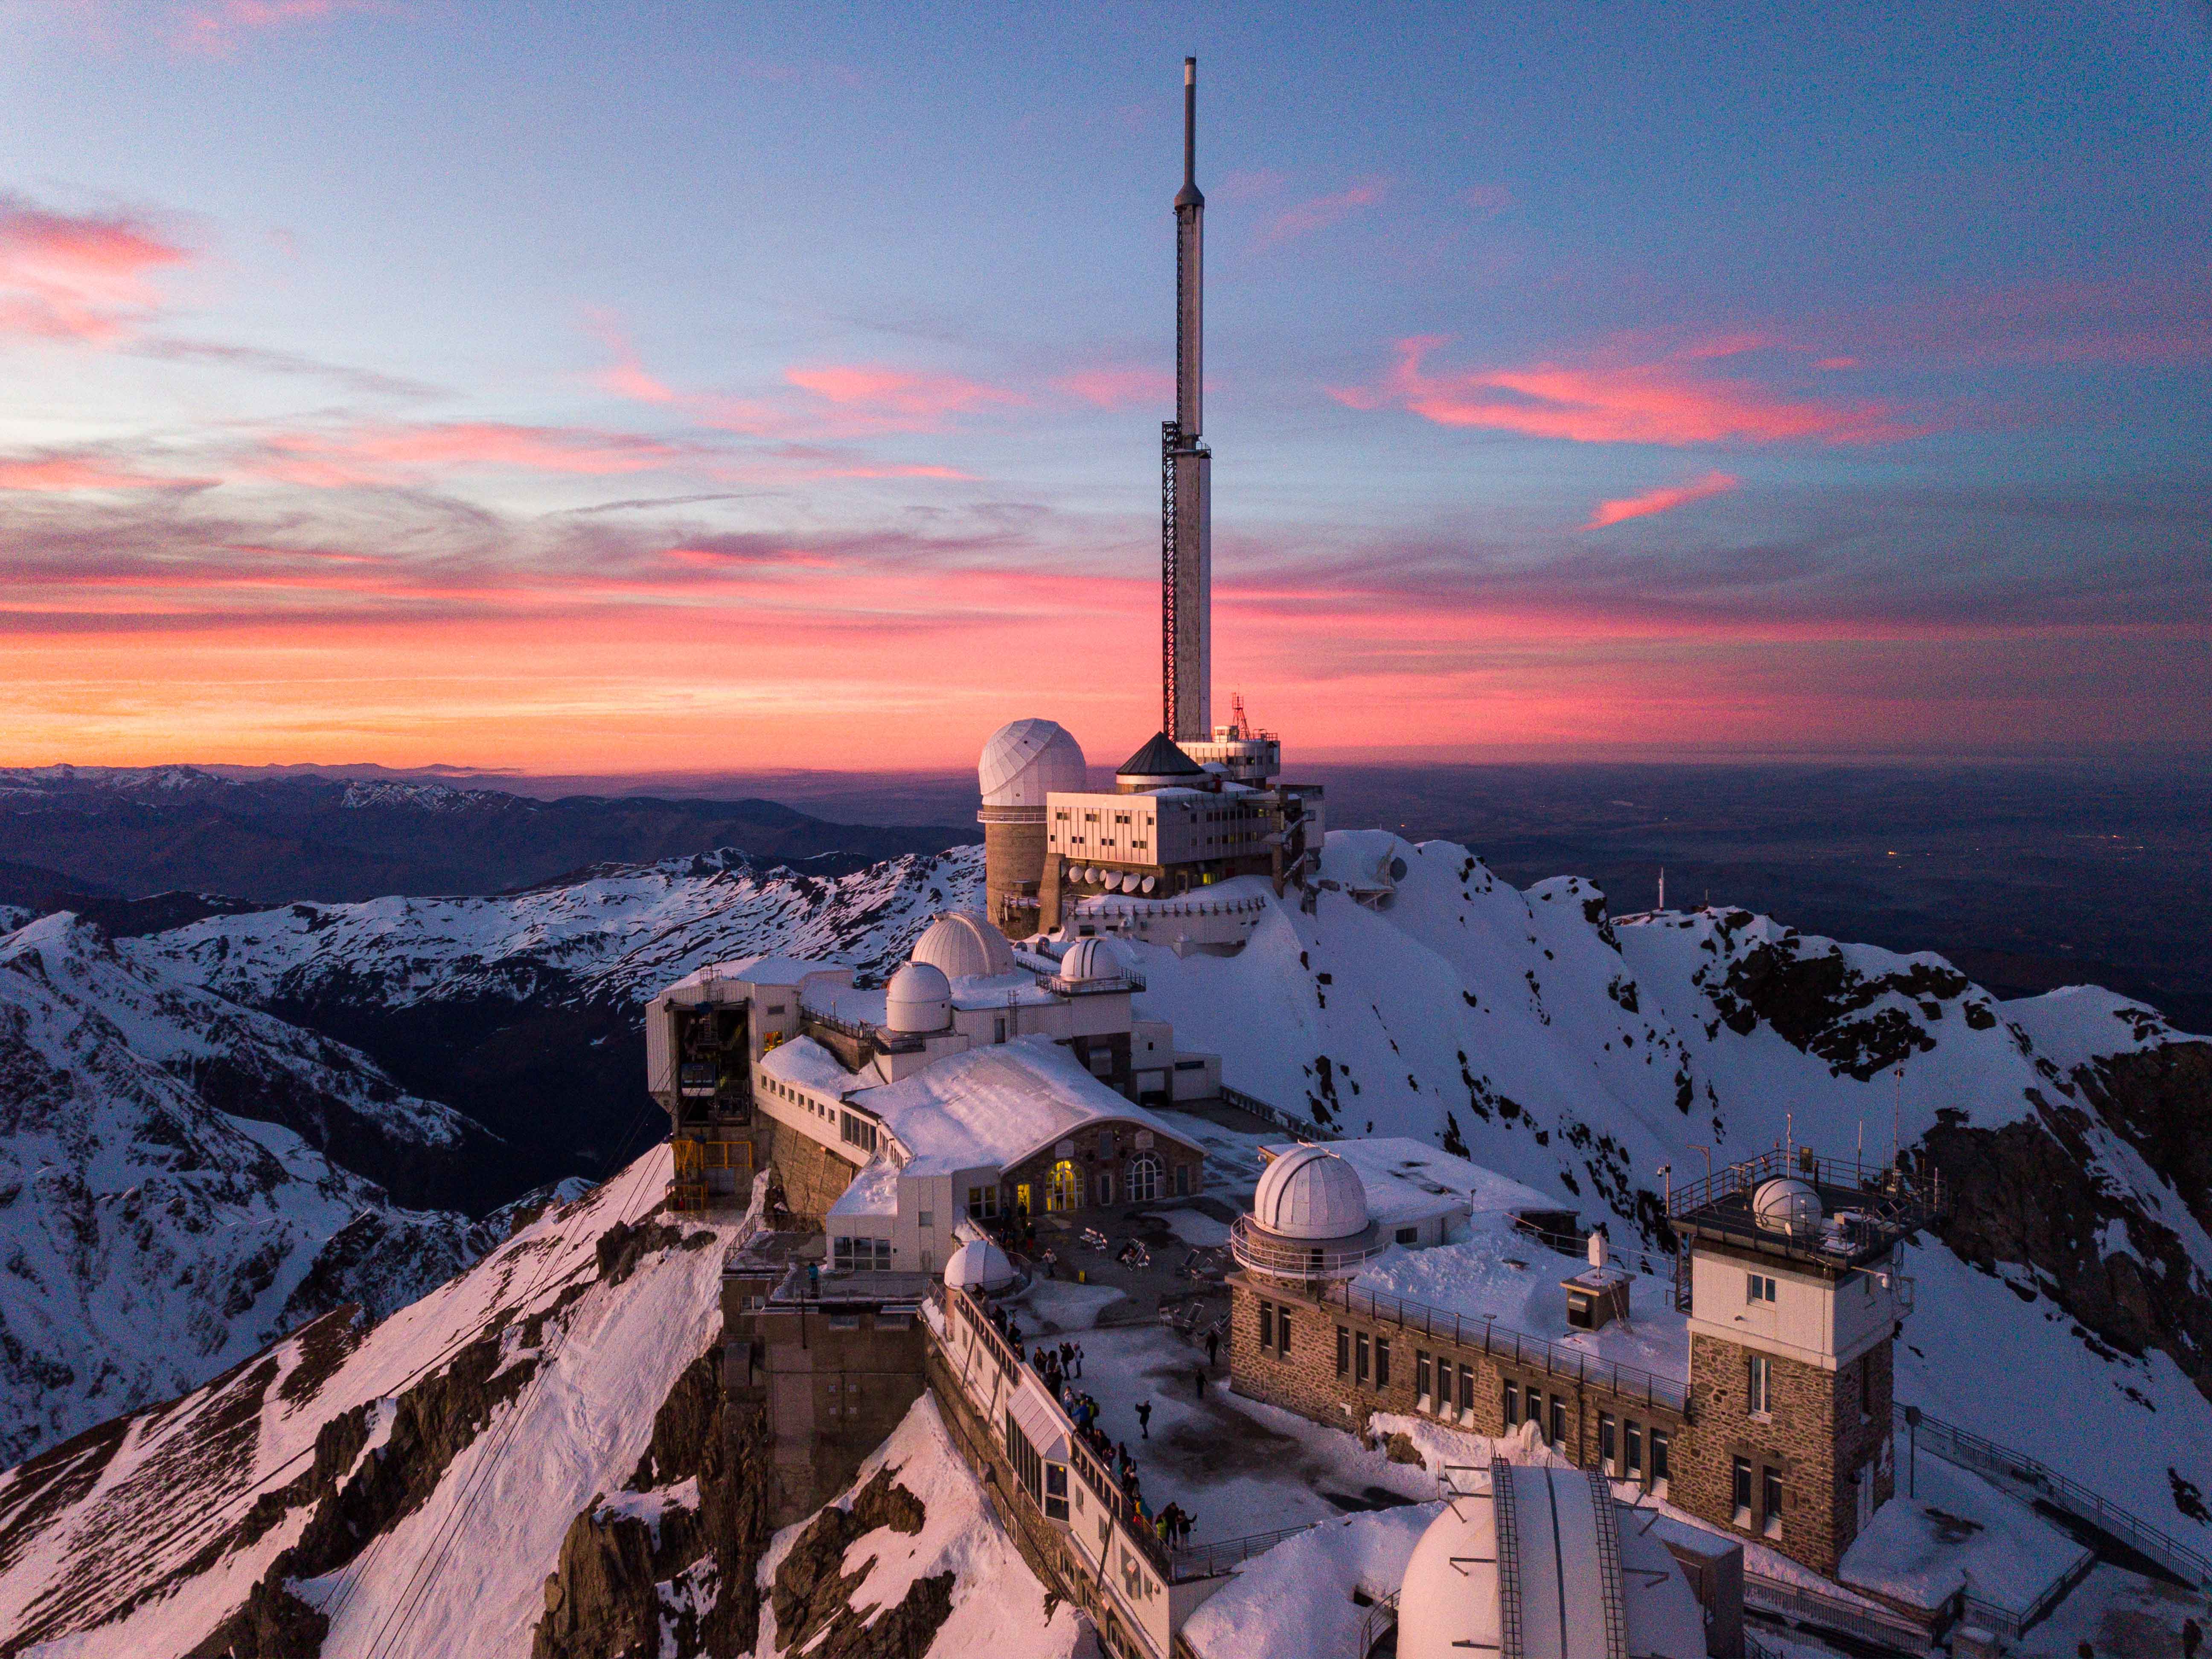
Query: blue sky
(584, 388)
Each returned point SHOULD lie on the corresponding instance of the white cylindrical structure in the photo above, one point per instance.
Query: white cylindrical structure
(980, 1267)
(1787, 1205)
(963, 945)
(919, 999)
(1310, 1193)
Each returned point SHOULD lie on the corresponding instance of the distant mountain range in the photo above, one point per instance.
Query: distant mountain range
(75, 834)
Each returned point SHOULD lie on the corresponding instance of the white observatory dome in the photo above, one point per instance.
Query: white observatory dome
(961, 944)
(1787, 1205)
(918, 998)
(980, 1265)
(1091, 959)
(1026, 760)
(1448, 1605)
(1310, 1193)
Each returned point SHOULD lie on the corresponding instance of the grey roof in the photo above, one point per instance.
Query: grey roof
(1160, 758)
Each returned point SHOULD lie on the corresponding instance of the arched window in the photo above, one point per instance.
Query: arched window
(1143, 1178)
(1063, 1188)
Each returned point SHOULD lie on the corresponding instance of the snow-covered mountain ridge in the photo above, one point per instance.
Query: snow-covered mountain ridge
(172, 1195)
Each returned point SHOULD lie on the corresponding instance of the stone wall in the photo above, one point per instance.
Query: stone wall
(1090, 1157)
(1307, 1379)
(1823, 1427)
(1013, 866)
(814, 1177)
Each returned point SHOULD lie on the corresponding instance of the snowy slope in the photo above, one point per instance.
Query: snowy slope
(149, 1238)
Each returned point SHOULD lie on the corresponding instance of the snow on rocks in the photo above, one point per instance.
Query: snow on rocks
(506, 1400)
(1297, 1597)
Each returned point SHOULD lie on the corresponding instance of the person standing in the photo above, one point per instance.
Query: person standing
(1078, 1358)
(1198, 1380)
(1144, 1420)
(1212, 1347)
(2192, 1637)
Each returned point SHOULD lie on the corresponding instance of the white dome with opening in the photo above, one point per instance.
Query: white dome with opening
(1090, 960)
(1787, 1205)
(918, 999)
(961, 944)
(980, 1267)
(1310, 1193)
(1024, 761)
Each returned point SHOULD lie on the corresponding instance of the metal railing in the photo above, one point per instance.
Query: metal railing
(1303, 1128)
(1380, 1619)
(1969, 1451)
(1626, 1382)
(1253, 1246)
(1194, 1561)
(1869, 1206)
(1868, 1621)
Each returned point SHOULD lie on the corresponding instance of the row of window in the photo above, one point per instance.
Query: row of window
(1445, 1400)
(1145, 1179)
(1364, 1359)
(860, 1254)
(1274, 1330)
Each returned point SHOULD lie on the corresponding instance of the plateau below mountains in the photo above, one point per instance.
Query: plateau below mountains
(1533, 1031)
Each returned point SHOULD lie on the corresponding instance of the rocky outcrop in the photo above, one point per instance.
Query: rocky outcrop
(688, 1564)
(1820, 1004)
(813, 1596)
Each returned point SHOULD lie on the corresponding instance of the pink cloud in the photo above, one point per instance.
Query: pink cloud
(1117, 388)
(1662, 500)
(76, 277)
(1322, 211)
(65, 472)
(881, 399)
(376, 454)
(1618, 395)
(626, 377)
(213, 29)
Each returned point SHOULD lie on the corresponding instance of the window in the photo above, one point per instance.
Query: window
(1382, 1362)
(1770, 1501)
(1409, 1235)
(1743, 1493)
(928, 1218)
(1343, 1351)
(1866, 1388)
(998, 1027)
(1144, 1175)
(1467, 1389)
(1266, 1325)
(1029, 1468)
(1283, 1333)
(1183, 1180)
(1759, 1384)
(1063, 1188)
(1421, 1375)
(1659, 1462)
(1055, 1492)
(1535, 1408)
(983, 1203)
(1105, 1189)
(1360, 1358)
(1759, 1287)
(1558, 1420)
(857, 1132)
(1631, 1450)
(861, 1254)
(1605, 1446)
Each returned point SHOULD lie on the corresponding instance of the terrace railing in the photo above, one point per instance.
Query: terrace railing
(1868, 1621)
(1884, 1202)
(2045, 1484)
(1557, 1359)
(1194, 1561)
(1290, 1258)
(1303, 1128)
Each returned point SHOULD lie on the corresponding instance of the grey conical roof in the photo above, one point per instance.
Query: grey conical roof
(1160, 758)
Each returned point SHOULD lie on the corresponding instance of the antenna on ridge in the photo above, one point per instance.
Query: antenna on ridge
(1190, 122)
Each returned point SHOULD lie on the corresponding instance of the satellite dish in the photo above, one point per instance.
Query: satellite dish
(1149, 883)
(1397, 869)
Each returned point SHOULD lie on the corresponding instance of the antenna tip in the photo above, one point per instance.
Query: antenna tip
(1190, 71)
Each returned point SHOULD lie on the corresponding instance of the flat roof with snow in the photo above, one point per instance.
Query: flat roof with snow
(1409, 1181)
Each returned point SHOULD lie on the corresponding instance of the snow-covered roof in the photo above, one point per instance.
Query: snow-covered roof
(806, 1064)
(784, 971)
(872, 1193)
(1915, 1551)
(1297, 1597)
(850, 1004)
(1409, 1181)
(1505, 1276)
(996, 990)
(994, 1106)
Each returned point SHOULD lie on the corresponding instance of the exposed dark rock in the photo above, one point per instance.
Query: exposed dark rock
(813, 1595)
(2159, 1099)
(623, 1246)
(1811, 998)
(274, 1624)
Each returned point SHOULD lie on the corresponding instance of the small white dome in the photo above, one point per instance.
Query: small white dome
(979, 1265)
(1026, 760)
(918, 999)
(1091, 958)
(1449, 1604)
(1311, 1192)
(962, 946)
(1786, 1205)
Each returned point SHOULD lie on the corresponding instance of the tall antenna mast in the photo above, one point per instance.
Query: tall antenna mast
(1185, 469)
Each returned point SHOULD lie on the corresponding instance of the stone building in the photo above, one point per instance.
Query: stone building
(1763, 1407)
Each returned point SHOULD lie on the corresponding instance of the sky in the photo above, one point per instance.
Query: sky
(680, 387)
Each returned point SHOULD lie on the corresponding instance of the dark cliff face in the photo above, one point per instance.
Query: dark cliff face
(2036, 1193)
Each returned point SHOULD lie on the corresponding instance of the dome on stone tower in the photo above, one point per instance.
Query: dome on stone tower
(1026, 760)
(961, 944)
(1310, 1193)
